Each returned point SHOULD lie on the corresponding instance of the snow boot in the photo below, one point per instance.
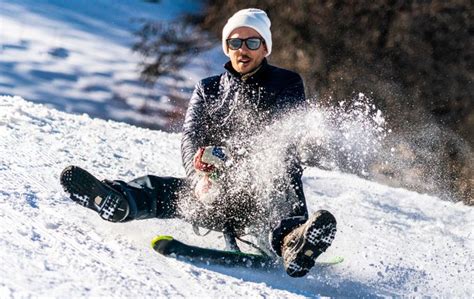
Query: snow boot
(99, 196)
(305, 243)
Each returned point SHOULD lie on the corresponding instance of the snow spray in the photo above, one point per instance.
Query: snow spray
(258, 189)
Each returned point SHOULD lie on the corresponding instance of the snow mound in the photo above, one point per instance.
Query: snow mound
(395, 242)
(76, 56)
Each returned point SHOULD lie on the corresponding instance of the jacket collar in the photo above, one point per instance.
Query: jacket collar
(255, 74)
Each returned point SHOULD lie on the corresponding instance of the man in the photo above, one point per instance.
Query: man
(225, 111)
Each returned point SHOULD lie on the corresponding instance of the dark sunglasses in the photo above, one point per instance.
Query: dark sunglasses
(253, 43)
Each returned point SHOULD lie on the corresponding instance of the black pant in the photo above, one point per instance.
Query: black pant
(159, 197)
(153, 196)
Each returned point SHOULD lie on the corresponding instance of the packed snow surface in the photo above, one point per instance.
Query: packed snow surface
(395, 242)
(76, 56)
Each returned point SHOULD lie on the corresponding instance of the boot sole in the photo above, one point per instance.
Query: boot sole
(84, 189)
(318, 236)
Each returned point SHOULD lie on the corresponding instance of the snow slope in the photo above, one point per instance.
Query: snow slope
(76, 56)
(395, 242)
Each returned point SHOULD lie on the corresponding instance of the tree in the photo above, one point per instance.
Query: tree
(414, 58)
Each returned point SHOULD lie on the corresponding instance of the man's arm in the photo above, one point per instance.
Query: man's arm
(292, 95)
(308, 149)
(194, 135)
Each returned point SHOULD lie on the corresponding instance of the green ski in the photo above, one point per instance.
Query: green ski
(168, 246)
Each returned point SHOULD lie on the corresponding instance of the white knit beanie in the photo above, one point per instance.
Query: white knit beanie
(254, 18)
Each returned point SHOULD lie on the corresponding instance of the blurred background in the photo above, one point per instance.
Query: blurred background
(137, 61)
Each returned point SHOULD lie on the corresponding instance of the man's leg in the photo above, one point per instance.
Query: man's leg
(155, 196)
(152, 197)
(299, 240)
(118, 201)
(296, 217)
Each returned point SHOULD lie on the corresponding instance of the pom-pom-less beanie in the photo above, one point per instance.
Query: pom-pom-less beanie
(254, 18)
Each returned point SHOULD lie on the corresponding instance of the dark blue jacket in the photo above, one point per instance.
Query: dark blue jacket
(230, 106)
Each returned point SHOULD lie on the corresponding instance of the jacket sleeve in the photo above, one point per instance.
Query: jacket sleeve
(194, 134)
(308, 151)
(293, 98)
(292, 95)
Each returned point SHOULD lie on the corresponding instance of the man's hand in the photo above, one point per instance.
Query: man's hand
(210, 161)
(211, 158)
(205, 190)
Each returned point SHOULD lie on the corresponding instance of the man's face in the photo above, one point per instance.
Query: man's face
(245, 60)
